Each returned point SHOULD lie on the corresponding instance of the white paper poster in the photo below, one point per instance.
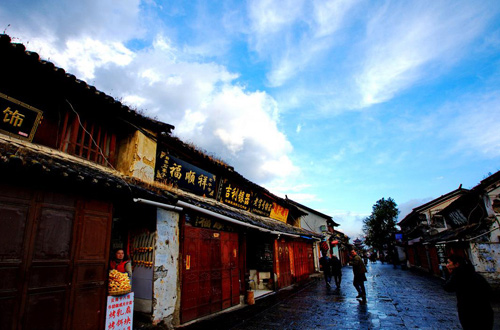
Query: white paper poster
(120, 312)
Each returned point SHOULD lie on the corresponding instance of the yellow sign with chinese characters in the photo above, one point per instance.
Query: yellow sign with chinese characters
(278, 212)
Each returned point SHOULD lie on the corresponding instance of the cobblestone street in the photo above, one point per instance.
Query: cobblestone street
(396, 299)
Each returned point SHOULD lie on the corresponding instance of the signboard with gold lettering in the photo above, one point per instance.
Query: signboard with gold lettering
(261, 205)
(278, 212)
(184, 175)
(234, 195)
(209, 223)
(17, 118)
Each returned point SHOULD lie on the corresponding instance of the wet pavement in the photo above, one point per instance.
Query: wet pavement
(396, 299)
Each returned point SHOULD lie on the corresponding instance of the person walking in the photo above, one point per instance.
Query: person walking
(359, 271)
(327, 270)
(473, 294)
(336, 271)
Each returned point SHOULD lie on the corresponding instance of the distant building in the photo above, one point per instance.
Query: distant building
(463, 222)
(321, 223)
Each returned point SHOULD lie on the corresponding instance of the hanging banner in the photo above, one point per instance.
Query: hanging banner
(174, 171)
(120, 312)
(17, 118)
(278, 212)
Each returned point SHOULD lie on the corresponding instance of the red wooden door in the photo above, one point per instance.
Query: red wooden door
(304, 261)
(230, 270)
(49, 264)
(210, 276)
(91, 265)
(38, 236)
(283, 258)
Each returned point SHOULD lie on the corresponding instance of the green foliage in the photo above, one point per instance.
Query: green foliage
(380, 226)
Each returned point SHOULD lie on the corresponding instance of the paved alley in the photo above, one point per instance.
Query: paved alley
(396, 299)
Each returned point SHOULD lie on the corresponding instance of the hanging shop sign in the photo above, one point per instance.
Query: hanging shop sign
(184, 175)
(278, 212)
(441, 253)
(208, 223)
(234, 195)
(18, 119)
(261, 205)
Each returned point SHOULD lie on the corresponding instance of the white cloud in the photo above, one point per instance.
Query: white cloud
(406, 207)
(241, 128)
(274, 36)
(404, 38)
(474, 125)
(351, 223)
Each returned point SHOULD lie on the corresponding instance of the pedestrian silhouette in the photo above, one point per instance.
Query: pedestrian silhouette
(336, 271)
(359, 271)
(326, 265)
(473, 294)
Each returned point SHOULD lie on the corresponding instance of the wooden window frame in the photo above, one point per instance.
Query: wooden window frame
(100, 149)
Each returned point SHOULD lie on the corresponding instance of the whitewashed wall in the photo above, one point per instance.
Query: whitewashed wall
(313, 223)
(486, 260)
(166, 278)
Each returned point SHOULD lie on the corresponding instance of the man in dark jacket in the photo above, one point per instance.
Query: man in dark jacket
(473, 294)
(359, 270)
(336, 270)
(326, 265)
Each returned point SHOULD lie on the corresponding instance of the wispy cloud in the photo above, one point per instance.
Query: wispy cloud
(403, 39)
(474, 125)
(274, 33)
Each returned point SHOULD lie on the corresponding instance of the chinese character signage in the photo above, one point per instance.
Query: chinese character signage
(236, 196)
(278, 212)
(120, 312)
(441, 253)
(184, 175)
(261, 205)
(209, 223)
(17, 118)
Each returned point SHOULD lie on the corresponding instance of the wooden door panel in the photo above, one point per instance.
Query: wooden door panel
(14, 223)
(90, 265)
(7, 310)
(190, 290)
(285, 277)
(54, 234)
(210, 283)
(234, 269)
(45, 310)
(48, 274)
(86, 318)
(13, 219)
(38, 231)
(94, 237)
(45, 276)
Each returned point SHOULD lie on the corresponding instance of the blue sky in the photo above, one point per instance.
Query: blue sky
(336, 104)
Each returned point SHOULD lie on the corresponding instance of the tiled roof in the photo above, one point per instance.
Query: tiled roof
(49, 166)
(17, 52)
(244, 216)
